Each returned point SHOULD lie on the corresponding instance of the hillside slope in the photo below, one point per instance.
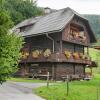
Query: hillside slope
(95, 23)
(94, 54)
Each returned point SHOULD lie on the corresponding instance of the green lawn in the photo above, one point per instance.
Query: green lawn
(78, 90)
(95, 55)
(26, 80)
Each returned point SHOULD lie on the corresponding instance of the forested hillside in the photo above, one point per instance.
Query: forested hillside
(95, 23)
(22, 9)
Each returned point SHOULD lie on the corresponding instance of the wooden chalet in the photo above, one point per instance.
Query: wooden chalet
(55, 43)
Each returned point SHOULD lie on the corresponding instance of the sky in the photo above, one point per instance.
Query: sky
(81, 6)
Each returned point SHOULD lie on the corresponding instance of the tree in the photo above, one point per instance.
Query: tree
(10, 45)
(95, 23)
(22, 9)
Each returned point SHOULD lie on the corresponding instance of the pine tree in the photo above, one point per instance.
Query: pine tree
(10, 45)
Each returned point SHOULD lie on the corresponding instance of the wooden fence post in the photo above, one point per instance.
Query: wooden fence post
(67, 82)
(47, 79)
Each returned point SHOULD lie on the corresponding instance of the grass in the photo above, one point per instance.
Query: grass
(26, 80)
(78, 90)
(94, 54)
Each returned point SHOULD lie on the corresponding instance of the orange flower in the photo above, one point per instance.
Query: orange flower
(76, 55)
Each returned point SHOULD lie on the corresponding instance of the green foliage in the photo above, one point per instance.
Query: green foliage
(78, 90)
(95, 23)
(22, 9)
(95, 55)
(5, 22)
(10, 45)
(98, 42)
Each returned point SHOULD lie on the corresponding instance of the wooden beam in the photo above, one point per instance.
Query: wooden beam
(53, 71)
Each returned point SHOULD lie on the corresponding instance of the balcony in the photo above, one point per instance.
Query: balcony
(55, 57)
(76, 40)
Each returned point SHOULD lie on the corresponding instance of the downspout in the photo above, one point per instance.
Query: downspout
(53, 48)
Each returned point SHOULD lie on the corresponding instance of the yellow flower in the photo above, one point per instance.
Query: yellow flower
(47, 53)
(35, 54)
(67, 54)
(81, 55)
(25, 55)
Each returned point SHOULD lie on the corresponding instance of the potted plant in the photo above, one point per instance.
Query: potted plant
(25, 55)
(76, 55)
(81, 55)
(35, 54)
(67, 54)
(47, 53)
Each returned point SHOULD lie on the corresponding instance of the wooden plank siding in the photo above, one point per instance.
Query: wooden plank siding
(57, 63)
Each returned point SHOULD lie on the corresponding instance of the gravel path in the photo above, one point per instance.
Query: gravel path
(19, 91)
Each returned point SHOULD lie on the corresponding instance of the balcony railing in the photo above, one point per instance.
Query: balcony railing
(55, 57)
(76, 40)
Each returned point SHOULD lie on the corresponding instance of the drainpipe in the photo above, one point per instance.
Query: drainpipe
(52, 41)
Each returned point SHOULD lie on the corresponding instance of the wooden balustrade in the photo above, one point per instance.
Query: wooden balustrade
(56, 57)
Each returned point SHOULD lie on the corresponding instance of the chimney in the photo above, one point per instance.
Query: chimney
(47, 10)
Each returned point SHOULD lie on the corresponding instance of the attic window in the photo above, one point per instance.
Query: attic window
(77, 33)
(76, 30)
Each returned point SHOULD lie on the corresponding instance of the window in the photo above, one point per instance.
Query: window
(76, 30)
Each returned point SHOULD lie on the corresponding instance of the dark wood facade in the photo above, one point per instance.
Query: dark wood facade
(73, 39)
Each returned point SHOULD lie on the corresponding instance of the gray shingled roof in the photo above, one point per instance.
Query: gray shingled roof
(51, 22)
(55, 21)
(27, 22)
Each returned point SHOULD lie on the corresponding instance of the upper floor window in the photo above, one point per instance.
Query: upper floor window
(77, 32)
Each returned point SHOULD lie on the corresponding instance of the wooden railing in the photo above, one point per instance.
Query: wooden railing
(55, 57)
(76, 40)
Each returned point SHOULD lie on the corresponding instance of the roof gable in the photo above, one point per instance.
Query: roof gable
(53, 22)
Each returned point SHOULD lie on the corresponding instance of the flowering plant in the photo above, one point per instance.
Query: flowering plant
(81, 55)
(25, 55)
(47, 53)
(67, 54)
(75, 55)
(36, 53)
